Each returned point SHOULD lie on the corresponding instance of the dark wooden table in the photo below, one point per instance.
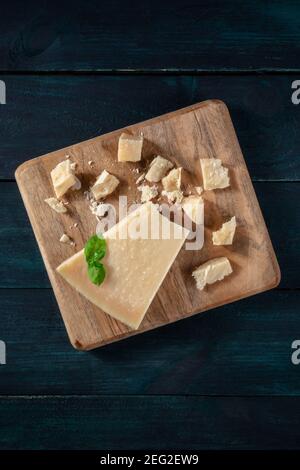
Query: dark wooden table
(224, 379)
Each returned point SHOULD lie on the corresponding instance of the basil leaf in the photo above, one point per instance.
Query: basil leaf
(95, 249)
(96, 272)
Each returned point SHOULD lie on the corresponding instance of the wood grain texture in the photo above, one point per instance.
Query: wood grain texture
(47, 112)
(240, 349)
(158, 423)
(108, 35)
(204, 129)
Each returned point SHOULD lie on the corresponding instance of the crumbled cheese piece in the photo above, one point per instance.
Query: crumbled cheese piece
(148, 192)
(212, 271)
(105, 185)
(140, 178)
(173, 196)
(225, 235)
(63, 178)
(73, 166)
(76, 224)
(67, 156)
(172, 182)
(193, 207)
(215, 176)
(66, 239)
(130, 148)
(158, 169)
(90, 162)
(55, 204)
(199, 190)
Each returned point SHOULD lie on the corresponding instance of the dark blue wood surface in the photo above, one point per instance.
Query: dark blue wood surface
(157, 422)
(45, 113)
(223, 379)
(150, 35)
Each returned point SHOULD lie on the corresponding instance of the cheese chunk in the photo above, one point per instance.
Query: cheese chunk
(105, 185)
(225, 235)
(193, 206)
(56, 205)
(215, 176)
(211, 271)
(63, 178)
(172, 181)
(148, 192)
(158, 169)
(135, 264)
(130, 148)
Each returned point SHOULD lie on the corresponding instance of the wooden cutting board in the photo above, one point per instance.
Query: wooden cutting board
(202, 130)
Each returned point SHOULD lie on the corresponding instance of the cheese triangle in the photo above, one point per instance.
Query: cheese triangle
(140, 251)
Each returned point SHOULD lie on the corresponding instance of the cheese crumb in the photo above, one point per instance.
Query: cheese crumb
(215, 176)
(66, 239)
(173, 196)
(148, 192)
(225, 235)
(56, 205)
(90, 162)
(105, 185)
(73, 166)
(193, 207)
(199, 190)
(158, 169)
(130, 148)
(212, 271)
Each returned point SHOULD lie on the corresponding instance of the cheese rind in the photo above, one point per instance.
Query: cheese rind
(130, 148)
(158, 169)
(225, 235)
(215, 176)
(193, 206)
(135, 266)
(63, 178)
(211, 271)
(105, 185)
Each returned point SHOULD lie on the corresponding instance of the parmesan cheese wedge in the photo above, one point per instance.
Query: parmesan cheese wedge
(136, 265)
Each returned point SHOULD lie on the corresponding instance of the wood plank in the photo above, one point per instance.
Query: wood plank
(179, 136)
(279, 202)
(44, 113)
(158, 423)
(239, 349)
(104, 35)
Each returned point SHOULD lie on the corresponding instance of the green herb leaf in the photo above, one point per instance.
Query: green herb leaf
(95, 249)
(96, 272)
